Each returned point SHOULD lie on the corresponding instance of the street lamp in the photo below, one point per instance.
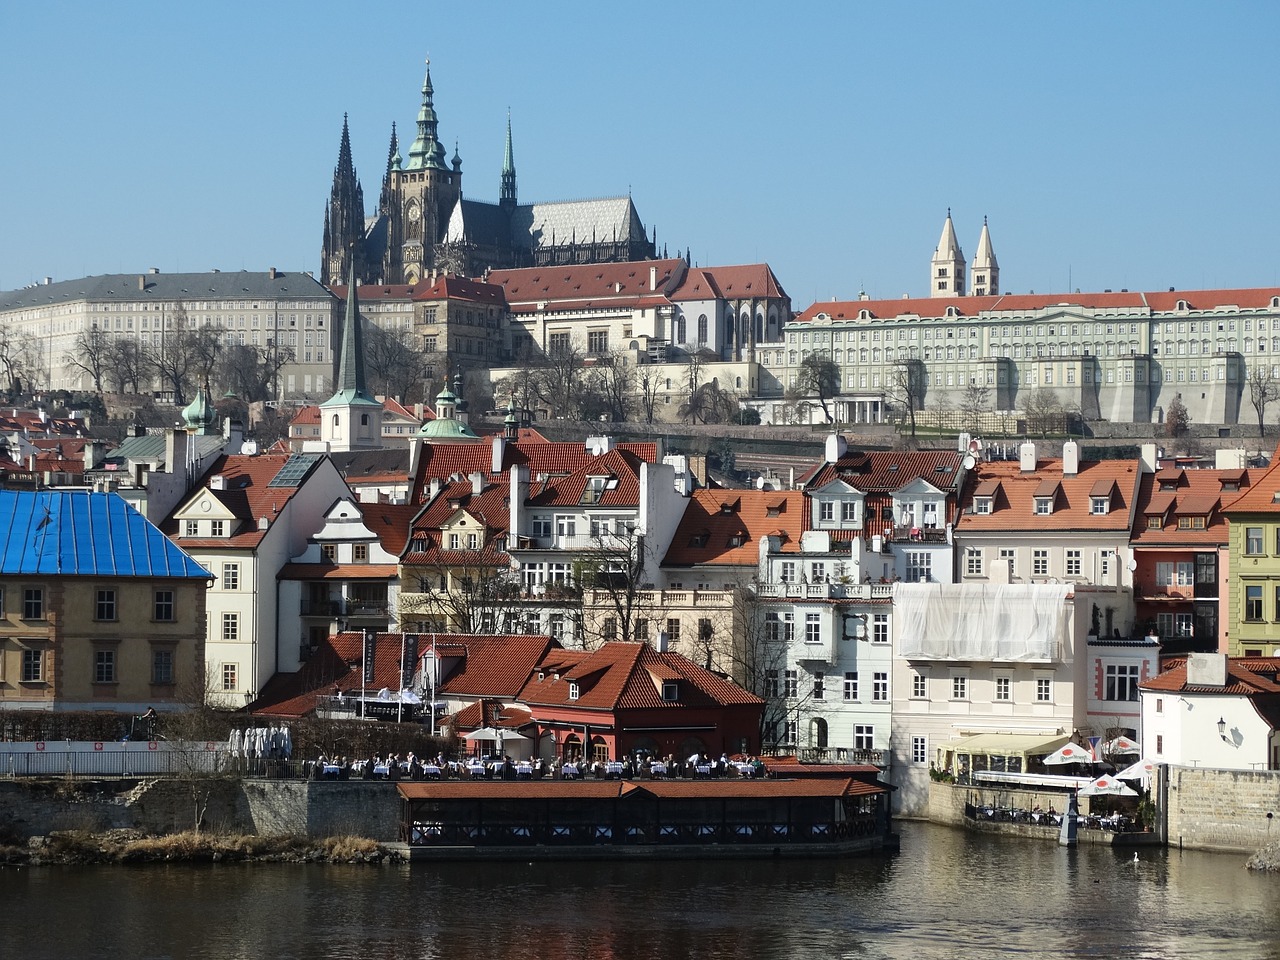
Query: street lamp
(1222, 729)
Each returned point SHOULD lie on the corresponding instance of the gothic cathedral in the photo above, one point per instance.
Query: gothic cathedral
(423, 226)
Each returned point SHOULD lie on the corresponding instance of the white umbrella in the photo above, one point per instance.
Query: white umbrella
(1069, 753)
(489, 733)
(1121, 745)
(234, 742)
(1142, 770)
(1106, 785)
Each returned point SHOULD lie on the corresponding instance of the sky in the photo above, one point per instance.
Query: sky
(1110, 145)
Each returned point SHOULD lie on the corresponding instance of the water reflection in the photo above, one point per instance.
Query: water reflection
(947, 894)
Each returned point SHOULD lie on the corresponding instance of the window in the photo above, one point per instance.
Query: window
(566, 526)
(573, 690)
(329, 552)
(982, 504)
(973, 561)
(473, 541)
(826, 510)
(1044, 690)
(670, 691)
(33, 603)
(542, 526)
(792, 732)
(791, 683)
(1180, 574)
(162, 666)
(597, 341)
(1004, 689)
(231, 576)
(1253, 602)
(558, 344)
(217, 528)
(919, 688)
(555, 626)
(1099, 505)
(787, 572)
(359, 553)
(1121, 682)
(779, 627)
(1159, 744)
(609, 630)
(104, 666)
(771, 684)
(455, 541)
(864, 736)
(817, 571)
(105, 608)
(191, 528)
(919, 750)
(673, 629)
(164, 605)
(642, 630)
(32, 666)
(919, 566)
(231, 626)
(1253, 541)
(1039, 563)
(1104, 562)
(959, 687)
(1044, 506)
(880, 687)
(230, 678)
(812, 628)
(880, 628)
(849, 511)
(1073, 563)
(851, 685)
(819, 686)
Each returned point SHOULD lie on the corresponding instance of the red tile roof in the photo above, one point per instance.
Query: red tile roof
(621, 470)
(746, 280)
(597, 282)
(622, 676)
(886, 470)
(1245, 677)
(1261, 497)
(714, 518)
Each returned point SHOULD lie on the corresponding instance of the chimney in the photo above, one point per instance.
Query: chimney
(434, 490)
(48, 280)
(1148, 457)
(271, 273)
(142, 283)
(233, 432)
(154, 271)
(1070, 458)
(218, 482)
(1207, 669)
(835, 447)
(653, 278)
(93, 451)
(1027, 457)
(175, 453)
(499, 450)
(477, 483)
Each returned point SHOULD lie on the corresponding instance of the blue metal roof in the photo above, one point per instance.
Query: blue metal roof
(80, 533)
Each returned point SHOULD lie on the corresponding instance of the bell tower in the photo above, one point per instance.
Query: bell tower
(946, 273)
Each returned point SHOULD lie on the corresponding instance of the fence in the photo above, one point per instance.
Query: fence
(105, 758)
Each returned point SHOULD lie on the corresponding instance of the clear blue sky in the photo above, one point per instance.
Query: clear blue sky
(1110, 144)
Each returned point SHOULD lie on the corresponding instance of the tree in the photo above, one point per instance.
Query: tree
(648, 394)
(1264, 386)
(475, 596)
(126, 364)
(91, 354)
(1177, 421)
(252, 372)
(617, 598)
(974, 402)
(907, 388)
(695, 368)
(614, 380)
(710, 404)
(396, 366)
(18, 358)
(174, 360)
(559, 383)
(818, 374)
(1043, 411)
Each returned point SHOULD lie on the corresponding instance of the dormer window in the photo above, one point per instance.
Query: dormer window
(826, 511)
(1044, 506)
(1099, 506)
(1155, 522)
(217, 528)
(573, 690)
(191, 528)
(594, 490)
(736, 540)
(699, 539)
(982, 504)
(670, 691)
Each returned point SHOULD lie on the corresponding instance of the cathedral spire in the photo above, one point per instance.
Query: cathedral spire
(985, 270)
(426, 150)
(385, 201)
(507, 192)
(344, 217)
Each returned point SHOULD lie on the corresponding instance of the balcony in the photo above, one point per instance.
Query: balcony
(354, 607)
(583, 542)
(829, 755)
(824, 591)
(907, 534)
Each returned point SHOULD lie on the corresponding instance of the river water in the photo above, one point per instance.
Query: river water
(946, 894)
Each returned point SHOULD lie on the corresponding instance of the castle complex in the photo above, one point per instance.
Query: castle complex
(423, 225)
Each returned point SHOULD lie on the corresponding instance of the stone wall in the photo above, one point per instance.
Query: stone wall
(31, 808)
(1226, 810)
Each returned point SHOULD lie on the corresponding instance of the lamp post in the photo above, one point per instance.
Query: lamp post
(1222, 729)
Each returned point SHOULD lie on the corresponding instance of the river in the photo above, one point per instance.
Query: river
(946, 894)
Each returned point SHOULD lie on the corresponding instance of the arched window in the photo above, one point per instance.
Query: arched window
(702, 329)
(818, 733)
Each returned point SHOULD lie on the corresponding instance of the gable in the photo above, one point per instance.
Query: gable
(204, 506)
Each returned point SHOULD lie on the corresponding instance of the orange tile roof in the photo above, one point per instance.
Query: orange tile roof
(489, 666)
(621, 466)
(713, 518)
(450, 287)
(1261, 497)
(620, 675)
(1245, 677)
(1014, 509)
(745, 280)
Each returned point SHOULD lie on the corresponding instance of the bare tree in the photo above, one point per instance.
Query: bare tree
(560, 380)
(974, 402)
(710, 403)
(618, 603)
(648, 394)
(907, 388)
(475, 595)
(126, 364)
(695, 367)
(91, 354)
(396, 365)
(1043, 411)
(173, 361)
(252, 372)
(1264, 387)
(615, 381)
(818, 374)
(17, 358)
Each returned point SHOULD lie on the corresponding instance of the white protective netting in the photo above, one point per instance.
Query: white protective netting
(962, 621)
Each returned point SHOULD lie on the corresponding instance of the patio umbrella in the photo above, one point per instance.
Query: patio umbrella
(489, 733)
(1121, 745)
(1069, 753)
(1106, 785)
(1142, 770)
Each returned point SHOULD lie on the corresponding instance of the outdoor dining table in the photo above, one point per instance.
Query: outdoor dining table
(657, 770)
(613, 769)
(524, 770)
(569, 771)
(476, 769)
(331, 770)
(431, 770)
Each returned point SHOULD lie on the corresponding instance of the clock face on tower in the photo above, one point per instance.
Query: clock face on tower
(415, 213)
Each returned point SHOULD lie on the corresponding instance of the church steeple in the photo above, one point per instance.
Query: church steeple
(386, 201)
(985, 270)
(507, 191)
(426, 151)
(351, 418)
(947, 266)
(343, 218)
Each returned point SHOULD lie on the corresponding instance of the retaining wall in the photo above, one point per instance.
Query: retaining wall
(1228, 810)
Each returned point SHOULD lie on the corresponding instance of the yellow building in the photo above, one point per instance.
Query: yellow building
(1253, 607)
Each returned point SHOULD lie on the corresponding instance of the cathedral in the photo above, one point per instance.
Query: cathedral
(423, 225)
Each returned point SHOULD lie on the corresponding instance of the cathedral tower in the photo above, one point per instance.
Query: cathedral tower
(343, 244)
(985, 270)
(422, 194)
(507, 189)
(947, 267)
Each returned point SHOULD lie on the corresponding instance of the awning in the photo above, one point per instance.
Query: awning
(1007, 744)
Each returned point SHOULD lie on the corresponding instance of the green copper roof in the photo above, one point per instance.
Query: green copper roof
(198, 415)
(446, 429)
